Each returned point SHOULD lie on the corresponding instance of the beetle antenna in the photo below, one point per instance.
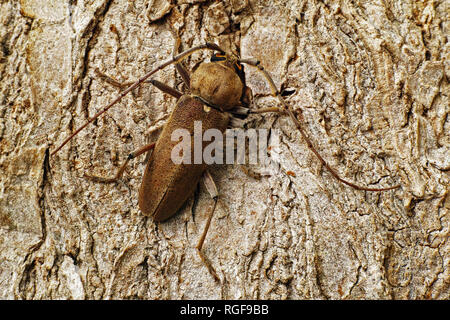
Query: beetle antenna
(179, 57)
(289, 110)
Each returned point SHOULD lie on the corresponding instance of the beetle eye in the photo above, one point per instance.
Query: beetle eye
(218, 57)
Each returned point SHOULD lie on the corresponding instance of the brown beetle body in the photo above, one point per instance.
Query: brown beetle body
(166, 185)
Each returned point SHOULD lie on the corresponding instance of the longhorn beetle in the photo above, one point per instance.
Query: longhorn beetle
(216, 93)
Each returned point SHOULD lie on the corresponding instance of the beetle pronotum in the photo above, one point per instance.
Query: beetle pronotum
(216, 91)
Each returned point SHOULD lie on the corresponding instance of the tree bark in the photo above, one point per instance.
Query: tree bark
(371, 79)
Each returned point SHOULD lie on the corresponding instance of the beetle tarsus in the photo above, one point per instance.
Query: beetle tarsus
(121, 170)
(208, 265)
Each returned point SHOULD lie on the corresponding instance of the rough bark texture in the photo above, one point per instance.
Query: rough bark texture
(372, 80)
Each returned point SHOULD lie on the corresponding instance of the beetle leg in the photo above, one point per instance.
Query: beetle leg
(158, 84)
(119, 173)
(269, 109)
(212, 189)
(179, 66)
(237, 121)
(240, 111)
(290, 111)
(166, 89)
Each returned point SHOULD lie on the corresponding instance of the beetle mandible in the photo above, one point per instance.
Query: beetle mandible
(216, 93)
